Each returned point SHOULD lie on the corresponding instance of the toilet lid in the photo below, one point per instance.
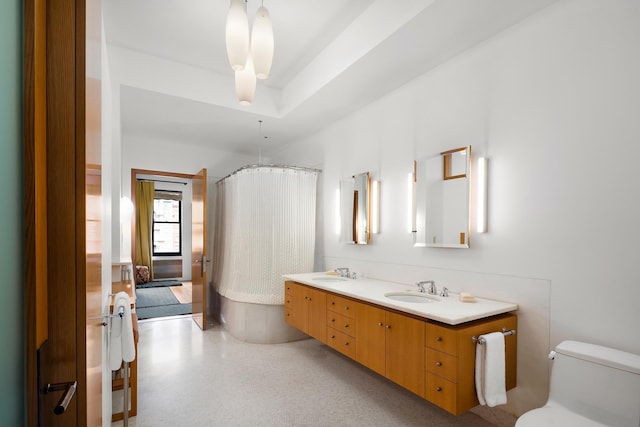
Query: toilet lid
(555, 416)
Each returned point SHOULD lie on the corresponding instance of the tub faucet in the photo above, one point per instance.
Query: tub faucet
(432, 287)
(343, 271)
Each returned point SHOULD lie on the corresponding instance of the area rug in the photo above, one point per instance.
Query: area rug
(159, 302)
(158, 284)
(163, 311)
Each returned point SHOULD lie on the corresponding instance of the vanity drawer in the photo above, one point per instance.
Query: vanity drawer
(442, 392)
(341, 323)
(442, 364)
(340, 305)
(442, 339)
(341, 342)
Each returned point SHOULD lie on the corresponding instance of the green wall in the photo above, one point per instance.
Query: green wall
(12, 355)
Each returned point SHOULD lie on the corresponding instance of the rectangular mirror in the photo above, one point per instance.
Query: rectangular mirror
(355, 209)
(441, 199)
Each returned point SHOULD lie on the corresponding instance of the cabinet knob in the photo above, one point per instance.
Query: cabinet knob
(388, 326)
(333, 303)
(438, 363)
(347, 343)
(438, 339)
(333, 336)
(333, 320)
(438, 388)
(346, 308)
(346, 325)
(379, 323)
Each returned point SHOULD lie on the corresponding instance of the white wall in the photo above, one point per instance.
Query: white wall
(554, 103)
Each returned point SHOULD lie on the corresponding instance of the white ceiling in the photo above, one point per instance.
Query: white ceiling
(331, 58)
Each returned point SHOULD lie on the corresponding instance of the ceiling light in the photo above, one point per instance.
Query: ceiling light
(237, 34)
(246, 83)
(250, 57)
(262, 43)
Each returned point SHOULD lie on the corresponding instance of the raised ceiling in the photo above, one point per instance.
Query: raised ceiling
(331, 58)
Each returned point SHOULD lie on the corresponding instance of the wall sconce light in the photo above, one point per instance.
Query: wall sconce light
(375, 207)
(126, 210)
(337, 219)
(411, 201)
(481, 208)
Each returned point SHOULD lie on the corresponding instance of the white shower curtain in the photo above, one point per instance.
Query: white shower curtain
(265, 227)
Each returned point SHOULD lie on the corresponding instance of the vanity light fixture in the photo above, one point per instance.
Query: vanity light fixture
(481, 209)
(250, 56)
(338, 211)
(411, 200)
(375, 207)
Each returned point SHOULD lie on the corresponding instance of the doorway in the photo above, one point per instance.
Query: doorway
(176, 243)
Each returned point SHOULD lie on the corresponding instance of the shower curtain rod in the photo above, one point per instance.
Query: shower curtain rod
(296, 168)
(160, 180)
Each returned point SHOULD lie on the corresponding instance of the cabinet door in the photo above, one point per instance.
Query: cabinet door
(296, 310)
(370, 337)
(317, 314)
(405, 353)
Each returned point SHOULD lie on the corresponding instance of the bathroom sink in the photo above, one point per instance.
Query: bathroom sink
(412, 297)
(329, 279)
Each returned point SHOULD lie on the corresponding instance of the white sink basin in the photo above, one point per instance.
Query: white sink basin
(412, 297)
(329, 279)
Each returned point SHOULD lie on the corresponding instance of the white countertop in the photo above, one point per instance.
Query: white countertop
(449, 310)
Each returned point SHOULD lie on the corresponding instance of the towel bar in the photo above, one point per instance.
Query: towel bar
(481, 340)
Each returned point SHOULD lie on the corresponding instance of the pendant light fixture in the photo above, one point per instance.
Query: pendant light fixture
(250, 56)
(262, 43)
(237, 34)
(246, 83)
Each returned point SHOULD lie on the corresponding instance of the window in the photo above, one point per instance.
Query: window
(167, 223)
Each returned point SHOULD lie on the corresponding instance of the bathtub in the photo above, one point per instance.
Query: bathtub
(255, 323)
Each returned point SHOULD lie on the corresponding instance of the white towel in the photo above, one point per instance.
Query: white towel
(121, 345)
(490, 370)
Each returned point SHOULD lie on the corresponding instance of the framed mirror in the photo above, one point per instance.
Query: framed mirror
(441, 193)
(355, 209)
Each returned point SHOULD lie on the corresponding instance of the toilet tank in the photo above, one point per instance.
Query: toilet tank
(598, 382)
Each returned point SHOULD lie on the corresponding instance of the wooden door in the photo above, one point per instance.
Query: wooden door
(370, 337)
(62, 169)
(199, 248)
(405, 352)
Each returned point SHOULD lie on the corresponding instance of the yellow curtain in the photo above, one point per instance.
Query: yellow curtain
(144, 222)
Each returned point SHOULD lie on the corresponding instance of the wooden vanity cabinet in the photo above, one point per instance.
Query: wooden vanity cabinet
(391, 344)
(433, 360)
(305, 309)
(450, 360)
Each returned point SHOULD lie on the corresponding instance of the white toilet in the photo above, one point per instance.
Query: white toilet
(591, 385)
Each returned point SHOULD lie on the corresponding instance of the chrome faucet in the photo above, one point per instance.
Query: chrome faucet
(432, 287)
(444, 292)
(343, 271)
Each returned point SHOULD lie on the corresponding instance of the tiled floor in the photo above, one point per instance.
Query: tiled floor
(192, 378)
